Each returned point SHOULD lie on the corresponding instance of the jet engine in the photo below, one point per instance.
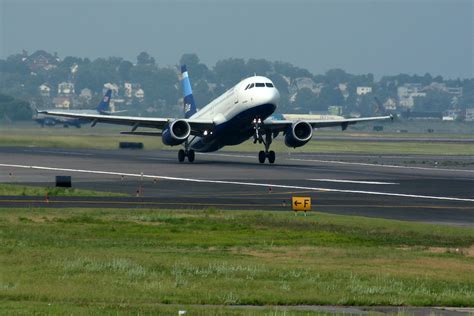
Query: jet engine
(298, 134)
(176, 133)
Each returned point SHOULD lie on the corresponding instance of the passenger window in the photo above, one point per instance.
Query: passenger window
(270, 85)
(260, 84)
(251, 86)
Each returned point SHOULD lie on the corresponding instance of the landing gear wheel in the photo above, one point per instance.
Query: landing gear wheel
(261, 156)
(181, 155)
(271, 156)
(191, 155)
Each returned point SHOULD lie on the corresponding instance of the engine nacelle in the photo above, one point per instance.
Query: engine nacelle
(176, 133)
(298, 134)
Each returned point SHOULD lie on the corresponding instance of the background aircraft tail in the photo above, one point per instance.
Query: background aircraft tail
(104, 105)
(189, 104)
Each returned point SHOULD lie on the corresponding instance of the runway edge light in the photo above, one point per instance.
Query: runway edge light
(300, 203)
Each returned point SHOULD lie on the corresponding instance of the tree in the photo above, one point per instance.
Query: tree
(145, 59)
(289, 70)
(336, 76)
(230, 71)
(435, 101)
(202, 94)
(124, 70)
(330, 96)
(190, 60)
(197, 70)
(13, 109)
(306, 101)
(96, 74)
(260, 67)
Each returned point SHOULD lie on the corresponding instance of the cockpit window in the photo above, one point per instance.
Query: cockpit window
(270, 85)
(251, 86)
(259, 84)
(247, 86)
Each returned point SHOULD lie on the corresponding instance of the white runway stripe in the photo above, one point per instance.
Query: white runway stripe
(381, 165)
(352, 181)
(242, 183)
(346, 162)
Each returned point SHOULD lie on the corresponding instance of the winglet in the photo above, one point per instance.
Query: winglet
(188, 100)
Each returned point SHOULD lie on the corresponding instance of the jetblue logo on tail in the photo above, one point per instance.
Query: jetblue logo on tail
(104, 104)
(189, 104)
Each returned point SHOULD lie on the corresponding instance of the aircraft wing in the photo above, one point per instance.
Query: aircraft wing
(197, 126)
(282, 125)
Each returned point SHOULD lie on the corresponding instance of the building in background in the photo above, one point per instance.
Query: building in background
(363, 90)
(66, 89)
(407, 94)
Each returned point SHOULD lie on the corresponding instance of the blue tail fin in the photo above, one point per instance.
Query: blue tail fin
(189, 104)
(104, 104)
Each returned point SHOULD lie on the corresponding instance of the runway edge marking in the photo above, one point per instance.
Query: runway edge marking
(381, 165)
(353, 181)
(240, 183)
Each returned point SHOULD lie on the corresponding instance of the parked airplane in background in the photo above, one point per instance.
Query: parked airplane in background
(237, 115)
(102, 108)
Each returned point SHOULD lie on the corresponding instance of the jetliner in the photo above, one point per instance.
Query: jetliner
(239, 114)
(102, 108)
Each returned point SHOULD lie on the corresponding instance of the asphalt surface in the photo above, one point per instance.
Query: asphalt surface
(435, 189)
(398, 139)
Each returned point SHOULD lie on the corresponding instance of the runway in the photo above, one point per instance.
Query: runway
(415, 188)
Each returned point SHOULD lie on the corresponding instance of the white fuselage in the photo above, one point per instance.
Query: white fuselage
(234, 111)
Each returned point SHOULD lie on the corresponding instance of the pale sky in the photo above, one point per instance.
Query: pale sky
(383, 37)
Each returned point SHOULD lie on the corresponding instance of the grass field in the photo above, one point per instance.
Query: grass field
(24, 190)
(320, 146)
(158, 261)
(108, 137)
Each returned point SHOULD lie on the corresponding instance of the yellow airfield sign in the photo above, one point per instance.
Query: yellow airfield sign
(301, 203)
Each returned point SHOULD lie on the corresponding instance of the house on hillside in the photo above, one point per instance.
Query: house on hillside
(44, 90)
(112, 86)
(140, 94)
(66, 89)
(407, 94)
(41, 60)
(86, 95)
(363, 90)
(390, 104)
(304, 82)
(62, 102)
(469, 117)
(130, 89)
(436, 86)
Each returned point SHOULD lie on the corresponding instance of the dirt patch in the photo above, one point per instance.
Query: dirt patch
(468, 252)
(285, 252)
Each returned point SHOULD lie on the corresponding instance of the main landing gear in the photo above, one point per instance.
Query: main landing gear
(263, 155)
(186, 152)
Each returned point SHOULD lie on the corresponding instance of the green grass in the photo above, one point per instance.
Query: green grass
(131, 261)
(108, 137)
(24, 190)
(319, 146)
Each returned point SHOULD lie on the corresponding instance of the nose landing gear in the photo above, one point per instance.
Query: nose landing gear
(258, 137)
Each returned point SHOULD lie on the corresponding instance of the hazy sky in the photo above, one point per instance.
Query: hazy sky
(360, 36)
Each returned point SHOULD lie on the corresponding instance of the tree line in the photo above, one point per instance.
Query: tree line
(162, 90)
